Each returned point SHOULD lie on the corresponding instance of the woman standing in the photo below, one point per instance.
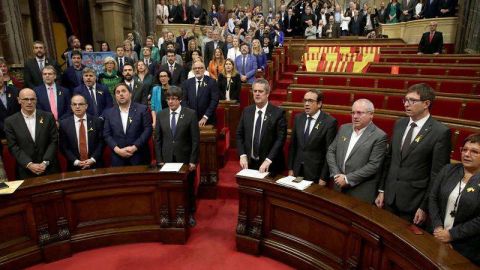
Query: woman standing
(129, 52)
(157, 95)
(394, 11)
(216, 64)
(162, 13)
(235, 50)
(455, 202)
(110, 76)
(104, 47)
(257, 51)
(143, 74)
(229, 82)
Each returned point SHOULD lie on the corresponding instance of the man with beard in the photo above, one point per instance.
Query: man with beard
(32, 71)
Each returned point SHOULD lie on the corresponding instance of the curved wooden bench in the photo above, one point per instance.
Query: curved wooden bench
(49, 218)
(322, 229)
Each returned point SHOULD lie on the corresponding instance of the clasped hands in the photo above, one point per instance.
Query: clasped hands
(126, 151)
(37, 168)
(340, 180)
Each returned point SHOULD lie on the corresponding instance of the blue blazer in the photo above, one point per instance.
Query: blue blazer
(69, 140)
(205, 102)
(63, 100)
(250, 66)
(138, 133)
(104, 99)
(261, 60)
(70, 79)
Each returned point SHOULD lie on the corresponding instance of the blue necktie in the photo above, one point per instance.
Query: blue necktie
(173, 124)
(256, 135)
(307, 130)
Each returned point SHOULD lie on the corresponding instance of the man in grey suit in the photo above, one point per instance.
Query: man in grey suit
(356, 156)
(420, 148)
(313, 131)
(408, 6)
(177, 139)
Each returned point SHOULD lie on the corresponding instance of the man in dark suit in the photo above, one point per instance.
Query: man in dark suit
(431, 9)
(290, 24)
(139, 92)
(212, 45)
(420, 148)
(72, 77)
(201, 94)
(432, 41)
(196, 13)
(127, 129)
(446, 8)
(51, 97)
(32, 138)
(407, 10)
(182, 41)
(81, 138)
(121, 59)
(32, 71)
(177, 139)
(332, 29)
(261, 133)
(97, 95)
(312, 133)
(183, 13)
(149, 62)
(356, 156)
(176, 70)
(8, 105)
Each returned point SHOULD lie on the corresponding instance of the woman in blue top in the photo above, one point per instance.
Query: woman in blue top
(157, 96)
(257, 51)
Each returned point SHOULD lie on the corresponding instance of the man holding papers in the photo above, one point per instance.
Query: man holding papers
(261, 133)
(177, 139)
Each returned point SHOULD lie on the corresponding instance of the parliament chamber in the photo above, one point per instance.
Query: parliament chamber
(53, 217)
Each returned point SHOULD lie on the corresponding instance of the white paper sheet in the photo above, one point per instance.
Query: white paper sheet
(288, 181)
(13, 185)
(252, 173)
(171, 167)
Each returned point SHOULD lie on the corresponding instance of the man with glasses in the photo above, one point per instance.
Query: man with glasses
(81, 137)
(177, 139)
(420, 148)
(32, 138)
(51, 97)
(312, 133)
(356, 156)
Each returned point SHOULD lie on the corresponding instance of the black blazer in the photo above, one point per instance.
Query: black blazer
(273, 135)
(140, 92)
(436, 46)
(205, 102)
(69, 140)
(465, 232)
(311, 153)
(178, 75)
(235, 86)
(184, 146)
(410, 176)
(25, 150)
(70, 79)
(32, 75)
(12, 107)
(126, 60)
(103, 98)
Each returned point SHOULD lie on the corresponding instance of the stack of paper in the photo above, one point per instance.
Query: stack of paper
(288, 181)
(252, 173)
(12, 186)
(171, 167)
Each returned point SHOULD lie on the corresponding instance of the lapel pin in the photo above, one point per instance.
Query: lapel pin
(9, 95)
(181, 116)
(100, 92)
(344, 138)
(470, 189)
(130, 120)
(418, 139)
(41, 120)
(59, 93)
(317, 126)
(91, 129)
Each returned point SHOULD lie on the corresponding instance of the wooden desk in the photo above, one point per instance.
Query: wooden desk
(323, 229)
(48, 218)
(232, 117)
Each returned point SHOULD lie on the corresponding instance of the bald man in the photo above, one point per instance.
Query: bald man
(32, 138)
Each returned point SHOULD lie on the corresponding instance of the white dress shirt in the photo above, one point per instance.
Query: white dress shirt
(30, 121)
(452, 198)
(77, 131)
(312, 123)
(353, 140)
(124, 116)
(416, 130)
(264, 110)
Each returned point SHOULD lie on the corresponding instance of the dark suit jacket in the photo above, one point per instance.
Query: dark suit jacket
(69, 140)
(425, 46)
(410, 176)
(12, 107)
(335, 30)
(447, 4)
(235, 87)
(431, 9)
(184, 146)
(205, 102)
(70, 79)
(312, 152)
(138, 133)
(140, 92)
(273, 135)
(25, 150)
(152, 68)
(179, 12)
(291, 23)
(103, 97)
(178, 75)
(465, 232)
(210, 50)
(126, 60)
(364, 164)
(63, 100)
(178, 41)
(32, 76)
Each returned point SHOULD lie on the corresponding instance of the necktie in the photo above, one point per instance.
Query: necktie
(53, 104)
(256, 135)
(82, 141)
(243, 66)
(431, 37)
(307, 129)
(173, 124)
(171, 69)
(198, 87)
(40, 64)
(184, 13)
(121, 63)
(92, 94)
(408, 139)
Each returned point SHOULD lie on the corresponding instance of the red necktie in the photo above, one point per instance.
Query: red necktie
(184, 13)
(82, 141)
(431, 37)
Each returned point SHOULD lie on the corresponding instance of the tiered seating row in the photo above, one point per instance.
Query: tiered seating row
(425, 69)
(442, 58)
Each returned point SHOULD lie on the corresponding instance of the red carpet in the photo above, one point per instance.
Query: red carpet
(211, 244)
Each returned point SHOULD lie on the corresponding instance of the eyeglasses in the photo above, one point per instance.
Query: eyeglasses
(28, 99)
(410, 101)
(309, 101)
(172, 98)
(359, 113)
(77, 104)
(473, 152)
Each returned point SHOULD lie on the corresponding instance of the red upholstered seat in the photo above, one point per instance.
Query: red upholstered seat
(432, 71)
(470, 72)
(376, 98)
(377, 69)
(342, 117)
(472, 111)
(336, 97)
(340, 80)
(308, 80)
(407, 70)
(385, 124)
(9, 163)
(447, 107)
(362, 82)
(223, 136)
(244, 95)
(293, 113)
(457, 87)
(395, 103)
(391, 83)
(297, 95)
